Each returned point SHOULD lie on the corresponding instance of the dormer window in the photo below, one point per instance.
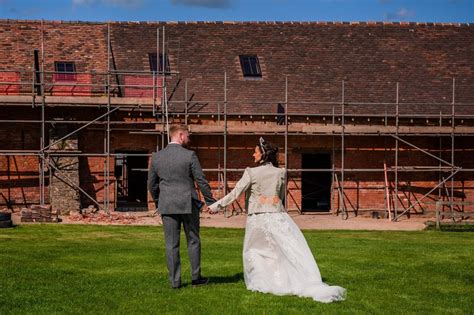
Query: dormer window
(250, 66)
(153, 65)
(65, 71)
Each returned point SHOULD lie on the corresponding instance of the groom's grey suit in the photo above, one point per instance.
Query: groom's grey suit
(171, 178)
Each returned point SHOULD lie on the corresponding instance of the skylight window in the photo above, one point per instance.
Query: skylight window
(250, 66)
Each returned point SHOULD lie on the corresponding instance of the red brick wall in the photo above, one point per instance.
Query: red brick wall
(91, 171)
(144, 86)
(85, 44)
(19, 174)
(73, 85)
(363, 190)
(92, 168)
(7, 83)
(19, 180)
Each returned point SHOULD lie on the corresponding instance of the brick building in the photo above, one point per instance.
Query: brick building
(368, 116)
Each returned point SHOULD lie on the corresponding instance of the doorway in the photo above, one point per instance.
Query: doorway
(131, 173)
(316, 186)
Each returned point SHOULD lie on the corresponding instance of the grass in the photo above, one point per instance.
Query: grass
(79, 269)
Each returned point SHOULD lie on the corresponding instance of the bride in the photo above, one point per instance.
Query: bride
(276, 257)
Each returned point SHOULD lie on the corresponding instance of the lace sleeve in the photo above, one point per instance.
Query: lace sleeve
(242, 185)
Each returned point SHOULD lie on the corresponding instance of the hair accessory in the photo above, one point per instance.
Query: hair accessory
(262, 141)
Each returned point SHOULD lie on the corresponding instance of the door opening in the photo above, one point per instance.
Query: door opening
(131, 178)
(316, 186)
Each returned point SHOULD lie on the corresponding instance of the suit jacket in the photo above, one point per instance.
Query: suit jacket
(171, 178)
(265, 190)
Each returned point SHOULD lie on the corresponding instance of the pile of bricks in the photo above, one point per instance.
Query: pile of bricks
(101, 217)
(37, 213)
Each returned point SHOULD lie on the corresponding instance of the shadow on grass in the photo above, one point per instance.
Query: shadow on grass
(452, 227)
(227, 279)
(220, 280)
(469, 228)
(11, 227)
(461, 226)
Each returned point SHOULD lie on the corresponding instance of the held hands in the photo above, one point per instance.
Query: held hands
(212, 210)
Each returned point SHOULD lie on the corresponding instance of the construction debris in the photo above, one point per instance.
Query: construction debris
(90, 209)
(38, 213)
(102, 217)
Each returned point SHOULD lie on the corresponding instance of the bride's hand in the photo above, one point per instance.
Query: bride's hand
(211, 211)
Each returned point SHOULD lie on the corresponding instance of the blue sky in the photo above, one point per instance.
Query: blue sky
(241, 10)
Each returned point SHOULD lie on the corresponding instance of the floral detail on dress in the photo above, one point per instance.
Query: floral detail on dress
(269, 200)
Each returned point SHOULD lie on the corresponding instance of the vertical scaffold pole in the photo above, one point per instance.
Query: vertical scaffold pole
(286, 142)
(225, 138)
(43, 132)
(397, 127)
(344, 210)
(165, 100)
(107, 142)
(452, 141)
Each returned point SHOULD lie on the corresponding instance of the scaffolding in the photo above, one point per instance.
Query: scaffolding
(162, 110)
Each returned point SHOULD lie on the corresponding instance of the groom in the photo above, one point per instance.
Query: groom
(171, 178)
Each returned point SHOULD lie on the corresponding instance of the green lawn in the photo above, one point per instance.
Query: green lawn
(109, 269)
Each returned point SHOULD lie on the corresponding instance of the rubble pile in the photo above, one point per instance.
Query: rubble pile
(102, 217)
(38, 213)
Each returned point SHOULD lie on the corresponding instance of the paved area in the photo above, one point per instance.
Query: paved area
(306, 221)
(323, 222)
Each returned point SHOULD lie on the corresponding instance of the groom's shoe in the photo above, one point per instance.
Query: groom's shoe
(176, 285)
(200, 281)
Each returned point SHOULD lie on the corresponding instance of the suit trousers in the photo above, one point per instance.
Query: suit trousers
(172, 229)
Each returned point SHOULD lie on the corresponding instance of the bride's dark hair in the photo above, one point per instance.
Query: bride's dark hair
(269, 152)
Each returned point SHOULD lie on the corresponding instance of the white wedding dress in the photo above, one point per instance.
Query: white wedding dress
(277, 258)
